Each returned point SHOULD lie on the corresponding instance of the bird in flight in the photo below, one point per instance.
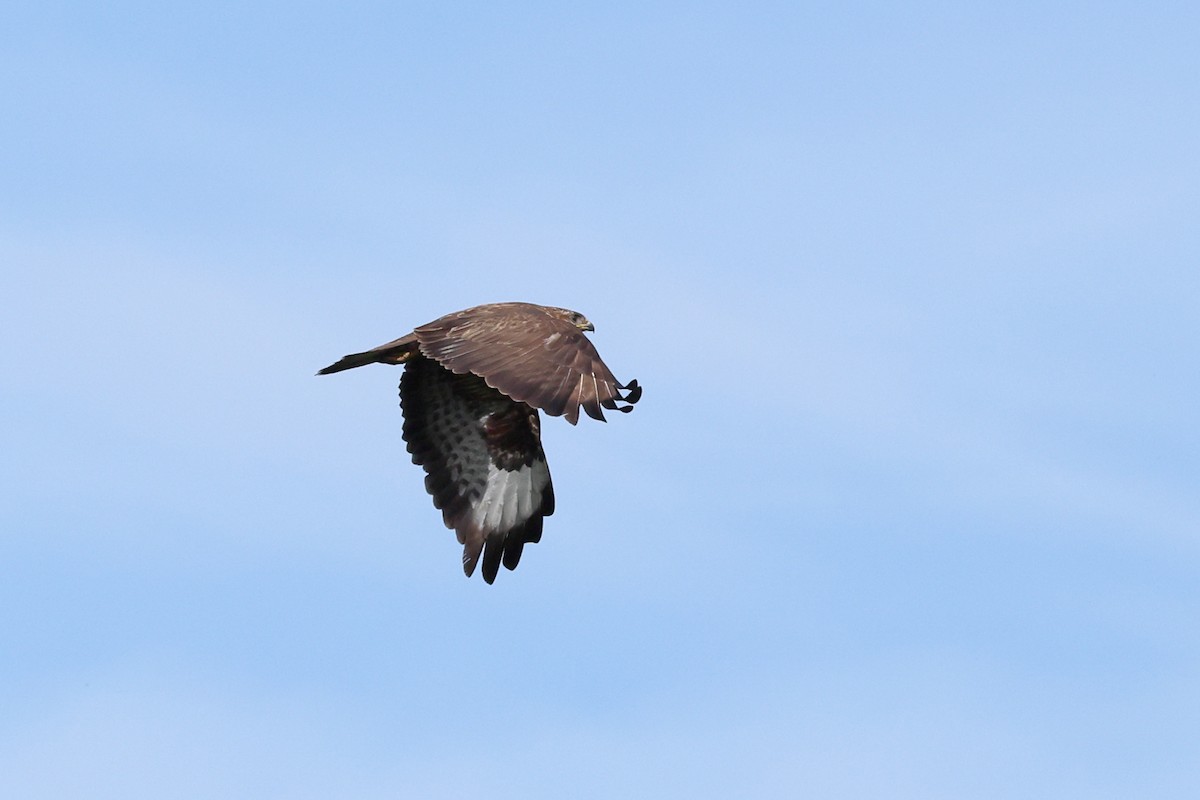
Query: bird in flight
(472, 387)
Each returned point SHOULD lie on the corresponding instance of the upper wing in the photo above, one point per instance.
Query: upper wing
(530, 356)
(482, 454)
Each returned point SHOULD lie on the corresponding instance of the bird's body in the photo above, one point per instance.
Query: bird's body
(472, 387)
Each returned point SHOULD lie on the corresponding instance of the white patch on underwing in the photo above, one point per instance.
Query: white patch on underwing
(511, 497)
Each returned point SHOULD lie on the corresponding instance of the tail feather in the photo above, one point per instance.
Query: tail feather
(351, 361)
(394, 352)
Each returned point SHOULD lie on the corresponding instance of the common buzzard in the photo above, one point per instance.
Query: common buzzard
(472, 386)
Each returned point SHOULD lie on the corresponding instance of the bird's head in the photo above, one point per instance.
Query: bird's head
(573, 317)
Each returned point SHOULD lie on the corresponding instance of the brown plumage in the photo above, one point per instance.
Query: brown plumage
(472, 387)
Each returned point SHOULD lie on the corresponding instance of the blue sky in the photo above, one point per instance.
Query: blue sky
(909, 506)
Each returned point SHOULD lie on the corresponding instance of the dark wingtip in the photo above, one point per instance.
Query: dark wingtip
(633, 393)
(512, 552)
(492, 552)
(593, 410)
